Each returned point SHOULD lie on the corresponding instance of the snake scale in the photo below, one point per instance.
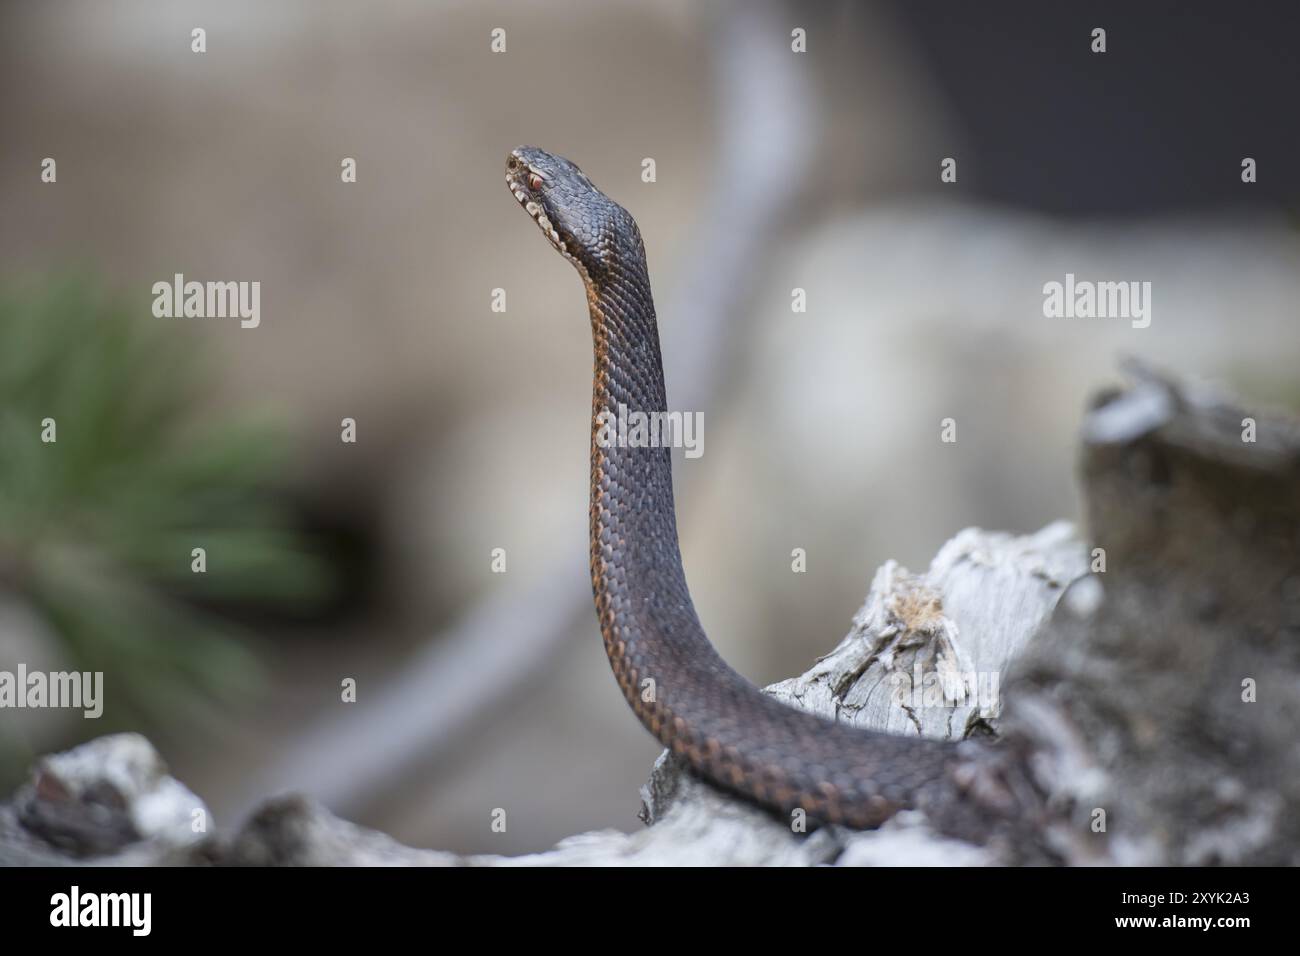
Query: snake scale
(726, 729)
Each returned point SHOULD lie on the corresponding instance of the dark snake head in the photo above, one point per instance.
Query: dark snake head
(589, 229)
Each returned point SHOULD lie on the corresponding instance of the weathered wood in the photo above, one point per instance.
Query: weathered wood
(1135, 699)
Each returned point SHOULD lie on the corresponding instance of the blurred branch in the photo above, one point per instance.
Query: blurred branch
(768, 128)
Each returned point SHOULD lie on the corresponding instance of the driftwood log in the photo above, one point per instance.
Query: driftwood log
(1150, 676)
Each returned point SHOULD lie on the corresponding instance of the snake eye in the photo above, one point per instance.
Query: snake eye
(534, 182)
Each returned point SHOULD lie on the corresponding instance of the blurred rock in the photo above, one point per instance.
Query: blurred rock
(108, 802)
(294, 831)
(1166, 695)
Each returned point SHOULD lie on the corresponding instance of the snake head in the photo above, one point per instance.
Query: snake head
(586, 226)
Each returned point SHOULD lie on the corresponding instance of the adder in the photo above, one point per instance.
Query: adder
(726, 729)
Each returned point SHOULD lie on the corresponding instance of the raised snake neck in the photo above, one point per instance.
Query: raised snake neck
(725, 728)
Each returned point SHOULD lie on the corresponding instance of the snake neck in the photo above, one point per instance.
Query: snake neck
(635, 555)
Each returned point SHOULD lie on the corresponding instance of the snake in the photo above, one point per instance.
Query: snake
(727, 730)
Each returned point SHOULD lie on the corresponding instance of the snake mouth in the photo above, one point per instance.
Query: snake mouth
(519, 175)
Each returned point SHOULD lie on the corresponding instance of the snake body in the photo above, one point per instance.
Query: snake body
(726, 729)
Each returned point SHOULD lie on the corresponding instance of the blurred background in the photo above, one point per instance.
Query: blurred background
(774, 171)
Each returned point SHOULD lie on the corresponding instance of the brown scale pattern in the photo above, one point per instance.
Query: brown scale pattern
(724, 727)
